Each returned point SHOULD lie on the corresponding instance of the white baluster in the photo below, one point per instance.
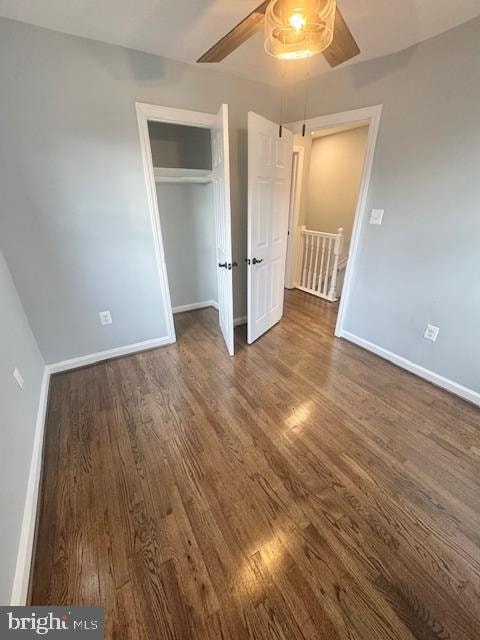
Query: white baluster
(337, 250)
(310, 264)
(327, 267)
(317, 247)
(320, 275)
(304, 253)
(319, 260)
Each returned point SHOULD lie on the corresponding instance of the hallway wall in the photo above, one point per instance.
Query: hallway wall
(336, 163)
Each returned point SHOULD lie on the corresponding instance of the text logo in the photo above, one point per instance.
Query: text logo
(59, 622)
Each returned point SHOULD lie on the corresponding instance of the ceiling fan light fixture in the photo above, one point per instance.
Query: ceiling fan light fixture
(298, 28)
(297, 21)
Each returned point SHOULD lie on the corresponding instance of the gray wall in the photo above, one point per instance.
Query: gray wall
(74, 206)
(74, 202)
(336, 163)
(180, 147)
(422, 264)
(188, 229)
(17, 422)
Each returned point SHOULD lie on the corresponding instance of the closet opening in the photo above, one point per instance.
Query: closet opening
(186, 163)
(182, 167)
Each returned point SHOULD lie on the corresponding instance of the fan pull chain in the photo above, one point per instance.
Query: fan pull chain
(307, 83)
(282, 96)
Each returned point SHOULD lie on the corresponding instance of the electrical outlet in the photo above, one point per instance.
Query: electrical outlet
(376, 216)
(105, 317)
(18, 377)
(431, 332)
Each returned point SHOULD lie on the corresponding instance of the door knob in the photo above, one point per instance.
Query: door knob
(257, 261)
(223, 265)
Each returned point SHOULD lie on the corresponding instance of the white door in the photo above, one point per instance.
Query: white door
(223, 232)
(269, 179)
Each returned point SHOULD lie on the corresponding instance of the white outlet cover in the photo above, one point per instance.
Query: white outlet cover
(376, 216)
(431, 332)
(18, 377)
(105, 317)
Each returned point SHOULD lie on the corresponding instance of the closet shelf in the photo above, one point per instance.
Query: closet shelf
(164, 174)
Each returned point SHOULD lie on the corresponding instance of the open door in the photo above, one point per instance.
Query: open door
(269, 180)
(223, 226)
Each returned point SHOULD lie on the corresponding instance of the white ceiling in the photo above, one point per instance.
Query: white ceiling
(184, 29)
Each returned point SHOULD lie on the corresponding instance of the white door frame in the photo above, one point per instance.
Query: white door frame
(366, 115)
(294, 215)
(153, 113)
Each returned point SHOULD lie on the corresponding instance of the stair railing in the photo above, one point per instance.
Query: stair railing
(320, 259)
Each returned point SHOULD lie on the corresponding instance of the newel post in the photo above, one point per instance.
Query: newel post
(337, 252)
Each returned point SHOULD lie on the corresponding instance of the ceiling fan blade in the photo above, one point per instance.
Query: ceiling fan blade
(343, 46)
(237, 36)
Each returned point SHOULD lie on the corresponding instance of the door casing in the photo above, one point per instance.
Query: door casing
(154, 113)
(291, 266)
(370, 116)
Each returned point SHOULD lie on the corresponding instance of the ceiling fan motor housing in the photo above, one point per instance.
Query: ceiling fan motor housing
(298, 28)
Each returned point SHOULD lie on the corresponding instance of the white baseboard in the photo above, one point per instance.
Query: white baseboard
(92, 358)
(195, 305)
(19, 592)
(73, 363)
(204, 305)
(426, 374)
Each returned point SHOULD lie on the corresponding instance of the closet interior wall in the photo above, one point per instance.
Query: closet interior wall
(182, 163)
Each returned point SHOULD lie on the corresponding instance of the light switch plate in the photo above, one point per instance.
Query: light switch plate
(18, 377)
(105, 317)
(376, 216)
(431, 332)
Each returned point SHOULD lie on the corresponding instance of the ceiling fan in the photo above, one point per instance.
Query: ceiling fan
(289, 24)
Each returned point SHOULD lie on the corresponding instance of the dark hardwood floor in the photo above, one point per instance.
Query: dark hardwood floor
(303, 489)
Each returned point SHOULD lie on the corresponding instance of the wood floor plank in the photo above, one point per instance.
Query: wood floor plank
(304, 489)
